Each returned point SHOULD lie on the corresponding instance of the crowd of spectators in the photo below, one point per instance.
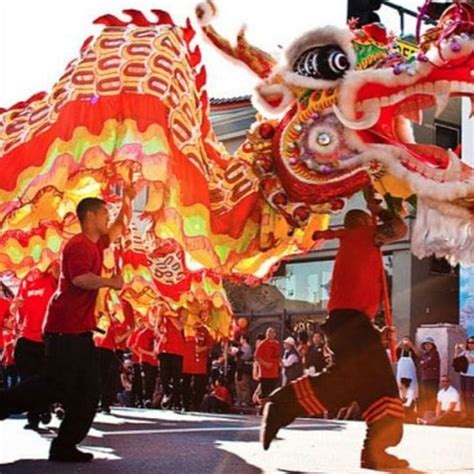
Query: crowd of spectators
(158, 366)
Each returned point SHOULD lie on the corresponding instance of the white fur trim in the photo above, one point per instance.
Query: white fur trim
(259, 102)
(321, 37)
(354, 80)
(318, 37)
(295, 79)
(210, 12)
(391, 156)
(443, 230)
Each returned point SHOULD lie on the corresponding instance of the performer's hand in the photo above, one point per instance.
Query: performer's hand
(318, 234)
(130, 192)
(116, 282)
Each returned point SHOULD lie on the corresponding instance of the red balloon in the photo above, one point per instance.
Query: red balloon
(242, 323)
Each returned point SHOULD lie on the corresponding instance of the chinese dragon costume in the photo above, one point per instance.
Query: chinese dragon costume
(132, 109)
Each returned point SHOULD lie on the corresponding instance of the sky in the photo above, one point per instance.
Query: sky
(38, 38)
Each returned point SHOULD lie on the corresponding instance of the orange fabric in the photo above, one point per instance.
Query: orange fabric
(357, 277)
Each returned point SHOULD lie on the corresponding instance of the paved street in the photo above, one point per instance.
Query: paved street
(148, 441)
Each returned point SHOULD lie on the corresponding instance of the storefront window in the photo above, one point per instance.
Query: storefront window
(310, 281)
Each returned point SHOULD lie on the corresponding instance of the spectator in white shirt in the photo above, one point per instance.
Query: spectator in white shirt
(448, 407)
(291, 362)
(407, 395)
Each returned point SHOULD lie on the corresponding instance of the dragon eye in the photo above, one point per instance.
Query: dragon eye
(322, 62)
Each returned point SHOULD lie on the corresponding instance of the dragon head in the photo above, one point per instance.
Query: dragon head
(343, 100)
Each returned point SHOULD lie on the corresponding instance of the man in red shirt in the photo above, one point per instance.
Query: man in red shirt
(361, 371)
(4, 315)
(268, 356)
(137, 381)
(71, 369)
(108, 366)
(32, 302)
(196, 367)
(170, 350)
(145, 347)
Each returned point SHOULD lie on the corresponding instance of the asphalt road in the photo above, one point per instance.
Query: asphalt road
(151, 441)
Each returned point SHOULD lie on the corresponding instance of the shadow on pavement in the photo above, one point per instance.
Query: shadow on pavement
(176, 452)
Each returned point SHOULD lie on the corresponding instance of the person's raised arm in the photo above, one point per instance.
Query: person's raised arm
(328, 234)
(392, 227)
(117, 229)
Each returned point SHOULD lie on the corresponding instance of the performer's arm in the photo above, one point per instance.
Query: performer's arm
(328, 234)
(117, 229)
(177, 322)
(79, 262)
(91, 281)
(392, 228)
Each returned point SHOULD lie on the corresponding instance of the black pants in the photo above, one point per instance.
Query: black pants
(212, 404)
(137, 385)
(108, 370)
(171, 370)
(71, 377)
(428, 394)
(268, 385)
(467, 395)
(10, 376)
(150, 373)
(29, 358)
(361, 373)
(194, 389)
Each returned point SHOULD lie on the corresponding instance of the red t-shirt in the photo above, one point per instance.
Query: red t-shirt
(146, 340)
(357, 277)
(269, 351)
(35, 292)
(197, 362)
(107, 340)
(122, 328)
(132, 344)
(8, 353)
(4, 313)
(223, 394)
(171, 340)
(71, 309)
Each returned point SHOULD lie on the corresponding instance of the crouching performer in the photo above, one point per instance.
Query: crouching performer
(361, 371)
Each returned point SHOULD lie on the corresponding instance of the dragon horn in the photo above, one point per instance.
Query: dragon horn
(260, 62)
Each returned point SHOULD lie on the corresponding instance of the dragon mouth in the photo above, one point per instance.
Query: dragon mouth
(386, 121)
(378, 111)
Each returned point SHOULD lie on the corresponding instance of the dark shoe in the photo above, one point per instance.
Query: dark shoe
(106, 410)
(270, 425)
(148, 404)
(59, 412)
(31, 426)
(68, 455)
(165, 402)
(381, 461)
(45, 417)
